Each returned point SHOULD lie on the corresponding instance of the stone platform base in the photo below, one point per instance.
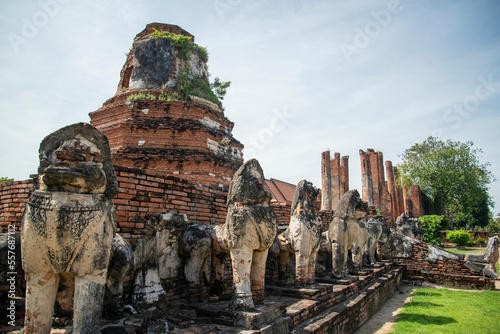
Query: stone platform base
(328, 306)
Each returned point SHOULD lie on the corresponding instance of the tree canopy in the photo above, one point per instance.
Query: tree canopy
(450, 174)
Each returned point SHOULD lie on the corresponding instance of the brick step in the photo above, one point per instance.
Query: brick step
(323, 284)
(301, 308)
(314, 291)
(348, 315)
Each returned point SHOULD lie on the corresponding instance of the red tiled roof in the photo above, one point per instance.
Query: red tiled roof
(281, 191)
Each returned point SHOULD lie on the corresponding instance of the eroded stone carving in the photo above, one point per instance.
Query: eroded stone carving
(344, 230)
(120, 264)
(376, 228)
(247, 235)
(249, 232)
(410, 227)
(157, 256)
(197, 246)
(485, 262)
(358, 248)
(303, 235)
(68, 227)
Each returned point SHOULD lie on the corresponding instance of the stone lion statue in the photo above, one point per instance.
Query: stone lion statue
(68, 227)
(344, 230)
(249, 231)
(247, 235)
(303, 235)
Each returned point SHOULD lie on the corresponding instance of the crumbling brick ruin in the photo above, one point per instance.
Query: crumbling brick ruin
(162, 134)
(334, 179)
(387, 196)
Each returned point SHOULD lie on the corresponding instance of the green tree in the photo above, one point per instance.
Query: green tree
(450, 174)
(220, 87)
(432, 226)
(494, 225)
(5, 179)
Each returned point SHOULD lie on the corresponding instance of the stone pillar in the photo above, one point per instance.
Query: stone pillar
(391, 187)
(336, 179)
(366, 178)
(326, 182)
(417, 201)
(345, 167)
(377, 174)
(399, 193)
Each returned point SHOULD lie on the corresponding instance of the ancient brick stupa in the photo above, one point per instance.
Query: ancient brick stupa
(164, 118)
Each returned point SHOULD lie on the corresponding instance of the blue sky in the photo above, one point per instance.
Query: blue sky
(307, 76)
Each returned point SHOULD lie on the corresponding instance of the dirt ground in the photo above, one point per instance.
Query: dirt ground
(383, 321)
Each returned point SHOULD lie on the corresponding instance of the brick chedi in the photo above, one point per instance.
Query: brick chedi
(334, 179)
(164, 118)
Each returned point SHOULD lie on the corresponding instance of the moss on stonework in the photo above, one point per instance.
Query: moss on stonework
(183, 45)
(187, 84)
(141, 96)
(195, 86)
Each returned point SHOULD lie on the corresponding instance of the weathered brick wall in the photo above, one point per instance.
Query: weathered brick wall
(326, 217)
(447, 272)
(187, 140)
(282, 211)
(13, 198)
(414, 202)
(141, 193)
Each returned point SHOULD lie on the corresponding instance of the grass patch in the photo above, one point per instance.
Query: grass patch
(465, 251)
(445, 311)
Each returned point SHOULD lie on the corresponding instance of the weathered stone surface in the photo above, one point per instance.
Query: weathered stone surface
(438, 254)
(398, 245)
(375, 229)
(344, 230)
(10, 262)
(120, 264)
(485, 262)
(249, 232)
(409, 226)
(186, 137)
(303, 235)
(197, 245)
(68, 227)
(158, 256)
(258, 318)
(359, 246)
(153, 64)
